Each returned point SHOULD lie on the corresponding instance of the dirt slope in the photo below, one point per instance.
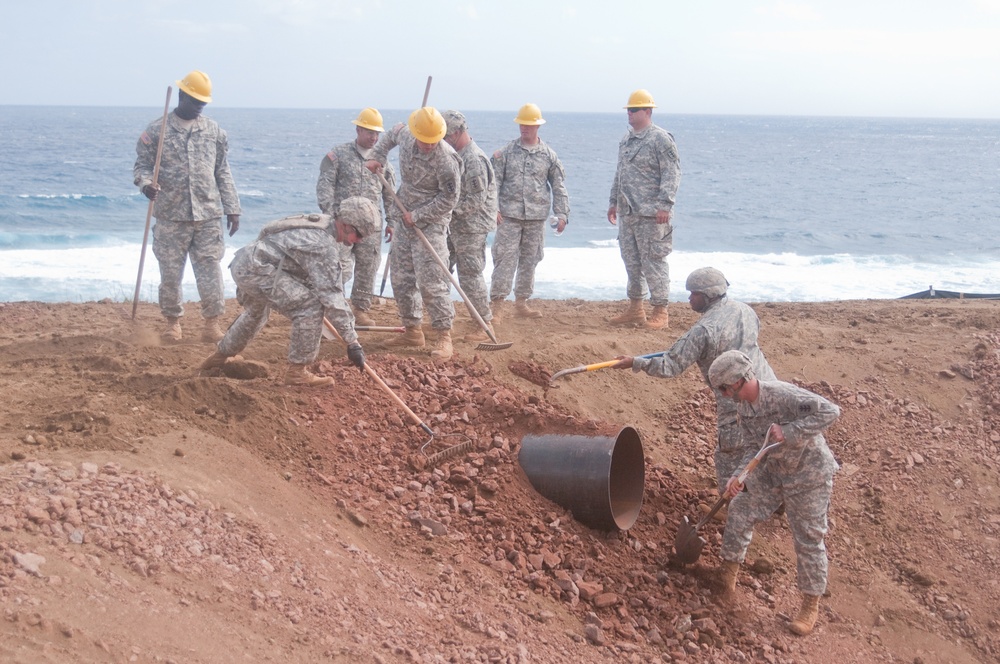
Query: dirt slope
(152, 514)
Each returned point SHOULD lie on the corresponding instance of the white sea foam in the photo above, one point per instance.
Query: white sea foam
(85, 274)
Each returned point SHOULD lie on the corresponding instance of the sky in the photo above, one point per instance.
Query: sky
(869, 58)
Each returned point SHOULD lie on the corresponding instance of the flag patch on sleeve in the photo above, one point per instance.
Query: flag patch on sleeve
(145, 138)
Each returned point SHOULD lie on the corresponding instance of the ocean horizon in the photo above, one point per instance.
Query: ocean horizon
(789, 208)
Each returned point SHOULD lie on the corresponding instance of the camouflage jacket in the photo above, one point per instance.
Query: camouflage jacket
(195, 181)
(342, 174)
(430, 183)
(476, 211)
(648, 173)
(529, 181)
(803, 415)
(725, 325)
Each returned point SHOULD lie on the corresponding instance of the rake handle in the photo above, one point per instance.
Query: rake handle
(381, 383)
(149, 210)
(444, 268)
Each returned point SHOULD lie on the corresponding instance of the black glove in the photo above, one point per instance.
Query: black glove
(356, 354)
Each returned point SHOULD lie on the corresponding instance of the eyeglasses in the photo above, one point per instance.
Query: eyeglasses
(635, 110)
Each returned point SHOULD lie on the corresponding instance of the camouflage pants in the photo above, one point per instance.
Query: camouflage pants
(173, 242)
(469, 256)
(518, 247)
(260, 288)
(417, 278)
(361, 260)
(729, 452)
(644, 246)
(807, 503)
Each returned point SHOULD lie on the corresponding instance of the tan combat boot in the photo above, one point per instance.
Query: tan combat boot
(634, 315)
(497, 306)
(361, 317)
(212, 332)
(659, 319)
(442, 347)
(297, 374)
(412, 338)
(172, 332)
(728, 571)
(214, 361)
(478, 334)
(522, 310)
(806, 620)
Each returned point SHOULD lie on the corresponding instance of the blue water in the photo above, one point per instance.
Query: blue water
(790, 208)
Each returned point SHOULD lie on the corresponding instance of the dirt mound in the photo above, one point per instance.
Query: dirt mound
(154, 512)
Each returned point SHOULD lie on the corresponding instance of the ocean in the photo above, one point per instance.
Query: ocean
(789, 208)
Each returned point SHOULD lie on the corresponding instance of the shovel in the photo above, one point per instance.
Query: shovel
(496, 345)
(688, 543)
(595, 367)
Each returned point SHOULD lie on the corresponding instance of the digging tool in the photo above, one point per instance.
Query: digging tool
(385, 272)
(330, 332)
(149, 211)
(688, 543)
(595, 367)
(496, 345)
(379, 328)
(388, 390)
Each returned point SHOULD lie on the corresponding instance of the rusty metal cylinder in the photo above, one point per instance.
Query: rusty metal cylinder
(599, 479)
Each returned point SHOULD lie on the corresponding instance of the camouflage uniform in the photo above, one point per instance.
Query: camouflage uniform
(646, 180)
(297, 273)
(196, 189)
(725, 325)
(529, 180)
(429, 190)
(342, 174)
(799, 473)
(472, 220)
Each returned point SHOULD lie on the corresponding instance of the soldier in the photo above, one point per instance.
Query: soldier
(342, 175)
(643, 194)
(799, 472)
(195, 188)
(430, 172)
(294, 268)
(724, 325)
(530, 179)
(472, 220)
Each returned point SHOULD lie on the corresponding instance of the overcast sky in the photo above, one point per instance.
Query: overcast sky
(907, 58)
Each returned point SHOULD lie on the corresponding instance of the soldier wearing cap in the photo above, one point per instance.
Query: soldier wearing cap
(641, 205)
(342, 175)
(293, 267)
(194, 189)
(430, 174)
(530, 182)
(799, 473)
(724, 325)
(472, 220)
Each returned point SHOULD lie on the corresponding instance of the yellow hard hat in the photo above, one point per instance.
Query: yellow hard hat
(369, 118)
(427, 124)
(198, 85)
(640, 99)
(529, 114)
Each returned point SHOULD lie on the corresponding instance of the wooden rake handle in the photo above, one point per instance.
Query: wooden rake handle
(454, 282)
(381, 383)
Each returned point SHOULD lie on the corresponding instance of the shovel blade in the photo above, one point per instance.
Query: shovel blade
(688, 543)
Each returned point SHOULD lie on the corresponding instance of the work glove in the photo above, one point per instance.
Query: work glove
(356, 354)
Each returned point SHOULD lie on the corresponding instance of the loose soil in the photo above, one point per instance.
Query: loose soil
(150, 512)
